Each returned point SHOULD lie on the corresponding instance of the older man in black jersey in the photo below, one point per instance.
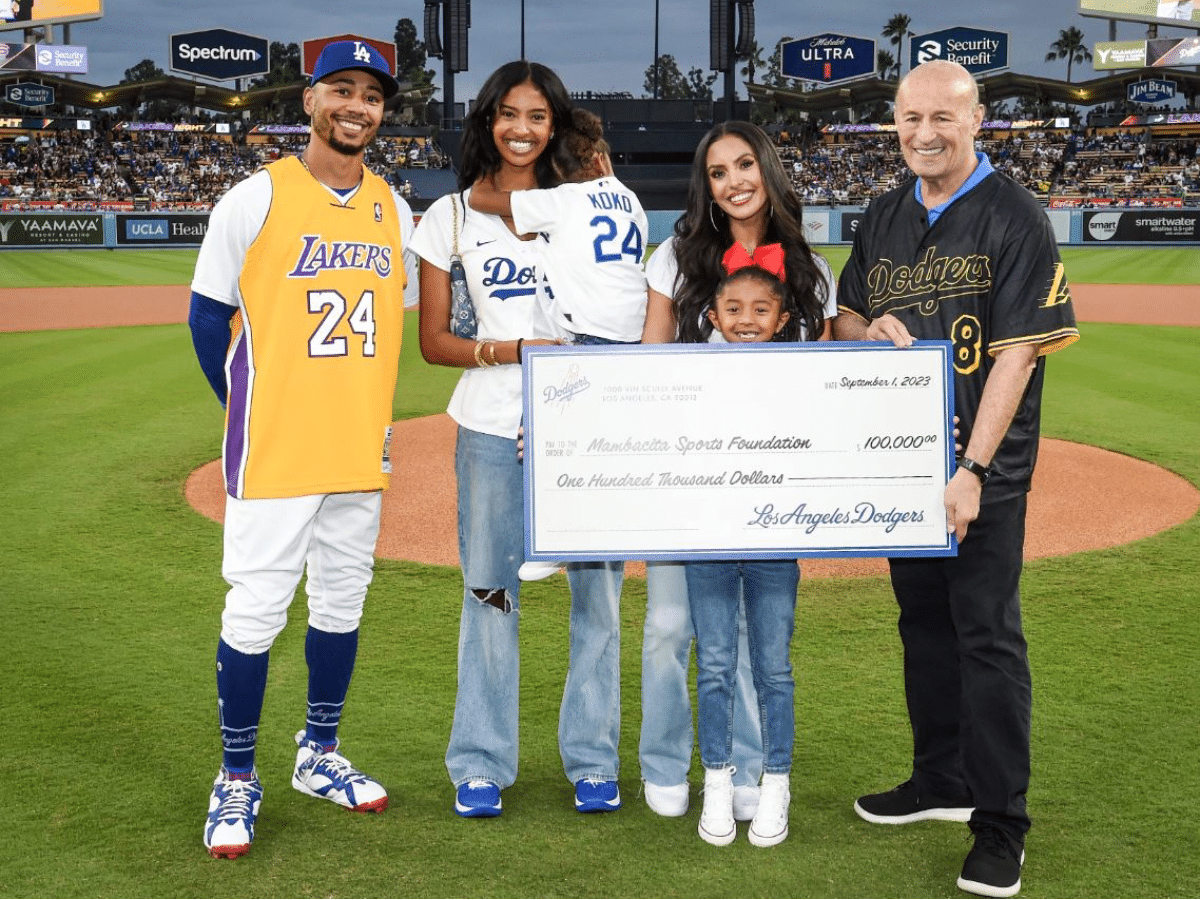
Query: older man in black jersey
(964, 253)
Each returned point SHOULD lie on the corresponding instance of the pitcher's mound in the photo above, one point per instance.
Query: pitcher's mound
(1083, 498)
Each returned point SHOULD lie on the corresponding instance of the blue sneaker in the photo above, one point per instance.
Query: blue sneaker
(324, 773)
(593, 795)
(232, 811)
(477, 799)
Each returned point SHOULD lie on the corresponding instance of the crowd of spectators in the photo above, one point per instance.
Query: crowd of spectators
(191, 170)
(164, 170)
(1097, 169)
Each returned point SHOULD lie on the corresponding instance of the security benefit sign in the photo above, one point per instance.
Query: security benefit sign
(718, 451)
(29, 93)
(975, 50)
(828, 58)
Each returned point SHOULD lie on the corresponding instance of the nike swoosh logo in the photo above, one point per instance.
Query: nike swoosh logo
(482, 243)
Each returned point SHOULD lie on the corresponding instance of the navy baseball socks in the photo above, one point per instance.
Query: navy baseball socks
(237, 793)
(320, 771)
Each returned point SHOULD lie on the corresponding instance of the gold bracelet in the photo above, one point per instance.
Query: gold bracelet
(492, 350)
(479, 354)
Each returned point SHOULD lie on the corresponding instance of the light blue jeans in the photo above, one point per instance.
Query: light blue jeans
(589, 721)
(768, 591)
(665, 747)
(483, 737)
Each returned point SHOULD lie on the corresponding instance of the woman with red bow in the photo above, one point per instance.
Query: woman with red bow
(741, 206)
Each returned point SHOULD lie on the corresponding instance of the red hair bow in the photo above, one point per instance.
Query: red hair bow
(768, 256)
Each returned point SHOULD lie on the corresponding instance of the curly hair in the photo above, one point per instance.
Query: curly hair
(580, 144)
(479, 154)
(702, 236)
(791, 328)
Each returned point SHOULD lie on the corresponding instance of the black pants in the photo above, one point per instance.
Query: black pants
(966, 668)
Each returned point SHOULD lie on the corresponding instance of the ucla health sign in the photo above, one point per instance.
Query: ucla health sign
(828, 58)
(975, 50)
(220, 54)
(1151, 90)
(148, 228)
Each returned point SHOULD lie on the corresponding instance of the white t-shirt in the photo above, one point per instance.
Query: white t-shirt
(236, 221)
(662, 268)
(595, 239)
(506, 285)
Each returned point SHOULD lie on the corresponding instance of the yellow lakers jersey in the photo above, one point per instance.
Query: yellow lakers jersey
(313, 368)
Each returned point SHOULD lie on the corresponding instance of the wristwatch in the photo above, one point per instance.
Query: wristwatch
(983, 473)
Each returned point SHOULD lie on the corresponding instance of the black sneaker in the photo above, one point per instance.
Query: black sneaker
(993, 867)
(904, 804)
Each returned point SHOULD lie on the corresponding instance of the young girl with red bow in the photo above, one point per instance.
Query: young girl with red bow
(740, 204)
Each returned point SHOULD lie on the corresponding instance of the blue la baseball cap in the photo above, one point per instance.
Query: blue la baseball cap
(338, 56)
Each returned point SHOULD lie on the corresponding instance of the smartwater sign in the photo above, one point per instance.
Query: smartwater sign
(828, 58)
(1142, 226)
(972, 48)
(1151, 90)
(219, 54)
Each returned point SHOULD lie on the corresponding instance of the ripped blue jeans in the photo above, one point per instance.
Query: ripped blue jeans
(483, 738)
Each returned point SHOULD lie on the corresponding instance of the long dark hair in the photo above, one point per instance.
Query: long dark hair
(702, 236)
(479, 154)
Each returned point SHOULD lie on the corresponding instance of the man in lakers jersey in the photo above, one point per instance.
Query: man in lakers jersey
(297, 304)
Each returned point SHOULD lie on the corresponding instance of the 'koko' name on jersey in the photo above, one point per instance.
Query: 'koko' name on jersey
(943, 276)
(317, 256)
(611, 200)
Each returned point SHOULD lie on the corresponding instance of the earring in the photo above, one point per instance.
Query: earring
(711, 204)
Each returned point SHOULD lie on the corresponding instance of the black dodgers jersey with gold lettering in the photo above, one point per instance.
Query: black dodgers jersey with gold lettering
(986, 276)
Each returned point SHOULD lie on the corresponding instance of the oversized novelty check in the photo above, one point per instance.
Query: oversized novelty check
(716, 451)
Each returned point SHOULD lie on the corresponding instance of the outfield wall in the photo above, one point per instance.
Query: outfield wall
(1080, 227)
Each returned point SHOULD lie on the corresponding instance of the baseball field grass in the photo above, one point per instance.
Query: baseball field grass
(112, 596)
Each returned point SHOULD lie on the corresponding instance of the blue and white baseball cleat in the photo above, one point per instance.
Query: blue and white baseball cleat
(232, 811)
(324, 773)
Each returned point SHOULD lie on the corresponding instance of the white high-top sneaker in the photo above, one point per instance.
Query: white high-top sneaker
(716, 818)
(770, 825)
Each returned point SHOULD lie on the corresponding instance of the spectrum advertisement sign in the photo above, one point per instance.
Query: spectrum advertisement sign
(975, 50)
(220, 54)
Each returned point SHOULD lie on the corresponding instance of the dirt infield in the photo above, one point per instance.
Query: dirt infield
(40, 309)
(1122, 500)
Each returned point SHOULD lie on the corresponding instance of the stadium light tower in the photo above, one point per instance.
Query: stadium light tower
(446, 24)
(655, 49)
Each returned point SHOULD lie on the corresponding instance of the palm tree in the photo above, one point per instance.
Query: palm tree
(1070, 46)
(897, 30)
(884, 61)
(754, 62)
